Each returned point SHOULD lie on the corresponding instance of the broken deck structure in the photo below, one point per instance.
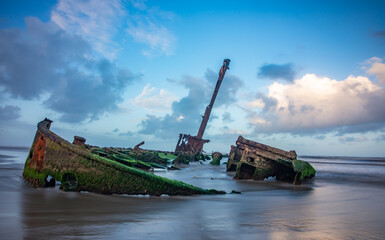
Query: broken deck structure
(194, 144)
(253, 160)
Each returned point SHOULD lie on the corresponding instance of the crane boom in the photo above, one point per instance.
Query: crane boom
(206, 117)
(194, 144)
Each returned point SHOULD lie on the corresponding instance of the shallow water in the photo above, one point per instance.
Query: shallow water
(344, 201)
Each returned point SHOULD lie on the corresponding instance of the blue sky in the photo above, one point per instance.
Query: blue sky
(304, 75)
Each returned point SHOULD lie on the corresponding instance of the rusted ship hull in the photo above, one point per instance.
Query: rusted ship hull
(253, 160)
(80, 170)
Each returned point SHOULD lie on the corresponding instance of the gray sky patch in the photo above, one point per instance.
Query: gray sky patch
(45, 59)
(277, 71)
(9, 112)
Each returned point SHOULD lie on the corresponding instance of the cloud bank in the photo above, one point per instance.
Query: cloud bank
(147, 25)
(44, 59)
(159, 39)
(102, 23)
(314, 103)
(375, 67)
(96, 21)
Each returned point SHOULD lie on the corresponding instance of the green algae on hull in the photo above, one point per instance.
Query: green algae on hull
(187, 157)
(217, 157)
(80, 170)
(168, 156)
(304, 169)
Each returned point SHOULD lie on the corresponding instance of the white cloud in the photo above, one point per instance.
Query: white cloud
(257, 103)
(157, 37)
(138, 4)
(153, 99)
(180, 118)
(314, 102)
(147, 26)
(97, 21)
(374, 66)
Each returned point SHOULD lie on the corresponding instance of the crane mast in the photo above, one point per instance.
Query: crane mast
(188, 143)
(206, 117)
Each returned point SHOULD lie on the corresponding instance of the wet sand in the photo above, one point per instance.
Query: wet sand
(344, 201)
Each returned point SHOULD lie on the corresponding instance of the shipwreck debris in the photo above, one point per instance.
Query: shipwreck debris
(253, 160)
(217, 156)
(194, 144)
(136, 157)
(78, 169)
(137, 147)
(187, 157)
(80, 141)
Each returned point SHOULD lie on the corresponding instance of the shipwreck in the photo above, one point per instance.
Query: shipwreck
(81, 167)
(253, 160)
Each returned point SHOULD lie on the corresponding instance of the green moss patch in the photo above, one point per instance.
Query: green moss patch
(305, 169)
(167, 156)
(217, 156)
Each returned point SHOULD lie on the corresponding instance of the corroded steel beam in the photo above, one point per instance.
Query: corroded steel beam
(206, 117)
(194, 144)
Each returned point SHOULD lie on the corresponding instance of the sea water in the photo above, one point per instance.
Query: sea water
(346, 200)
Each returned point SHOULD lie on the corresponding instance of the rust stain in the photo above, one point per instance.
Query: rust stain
(38, 155)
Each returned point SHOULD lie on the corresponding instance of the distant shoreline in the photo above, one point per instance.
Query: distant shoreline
(344, 157)
(14, 147)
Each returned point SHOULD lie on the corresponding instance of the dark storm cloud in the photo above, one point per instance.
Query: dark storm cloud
(186, 113)
(45, 59)
(9, 112)
(277, 71)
